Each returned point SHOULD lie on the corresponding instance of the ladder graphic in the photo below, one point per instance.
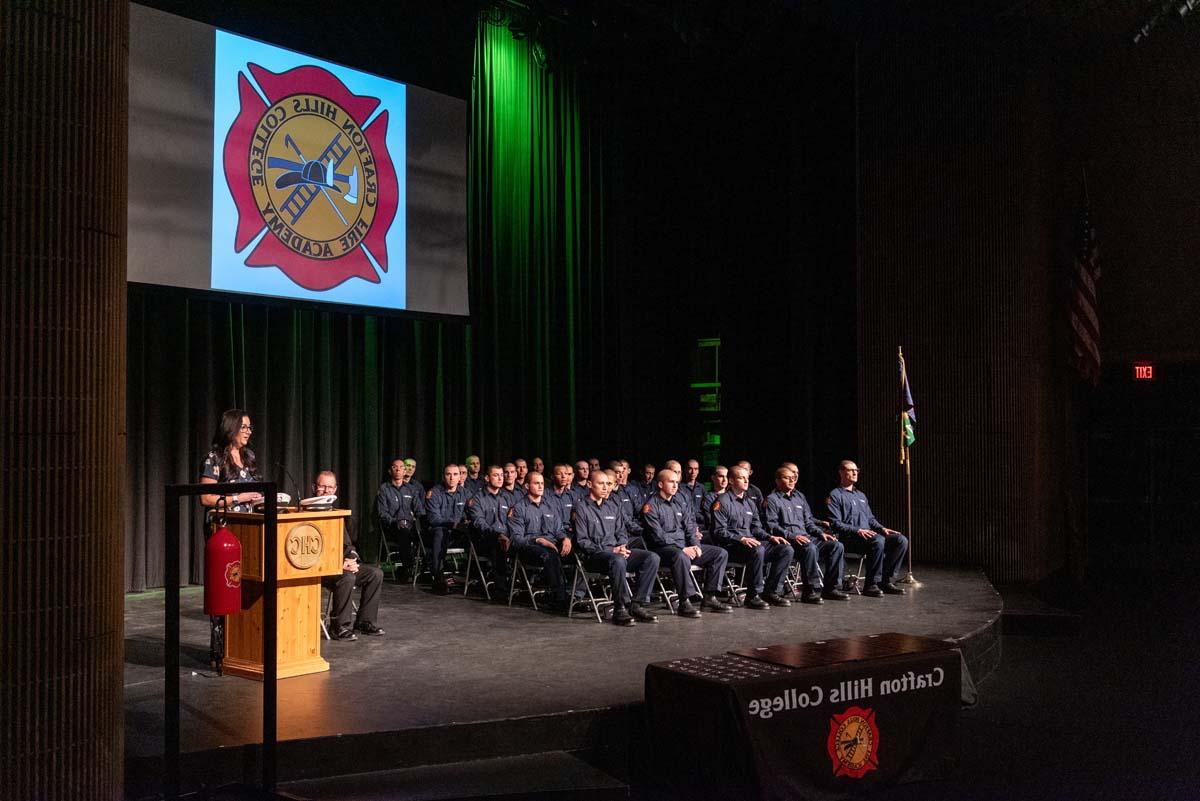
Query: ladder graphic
(297, 202)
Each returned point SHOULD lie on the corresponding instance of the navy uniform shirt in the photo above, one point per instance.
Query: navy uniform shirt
(669, 522)
(473, 486)
(513, 495)
(528, 520)
(706, 506)
(566, 501)
(398, 506)
(599, 526)
(787, 514)
(850, 511)
(694, 492)
(734, 518)
(445, 509)
(487, 511)
(755, 494)
(630, 500)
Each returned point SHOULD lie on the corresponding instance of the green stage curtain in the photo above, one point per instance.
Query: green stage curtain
(538, 275)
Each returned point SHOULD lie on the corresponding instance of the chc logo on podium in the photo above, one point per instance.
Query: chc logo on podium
(306, 167)
(303, 546)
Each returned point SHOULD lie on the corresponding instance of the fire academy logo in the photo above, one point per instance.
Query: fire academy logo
(853, 742)
(307, 167)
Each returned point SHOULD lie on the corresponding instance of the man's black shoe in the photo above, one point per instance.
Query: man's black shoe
(714, 604)
(811, 597)
(371, 629)
(775, 599)
(345, 634)
(892, 589)
(688, 609)
(440, 587)
(835, 595)
(621, 617)
(872, 591)
(641, 613)
(756, 602)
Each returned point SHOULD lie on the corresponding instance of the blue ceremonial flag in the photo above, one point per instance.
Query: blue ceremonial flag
(908, 413)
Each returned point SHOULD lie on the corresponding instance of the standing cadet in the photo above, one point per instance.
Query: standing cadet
(851, 518)
(487, 515)
(692, 487)
(397, 507)
(445, 507)
(539, 537)
(630, 499)
(671, 532)
(788, 515)
(720, 484)
(604, 545)
(737, 527)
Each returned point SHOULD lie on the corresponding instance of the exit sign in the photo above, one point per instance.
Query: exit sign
(1143, 371)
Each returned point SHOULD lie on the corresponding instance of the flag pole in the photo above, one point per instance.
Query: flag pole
(906, 460)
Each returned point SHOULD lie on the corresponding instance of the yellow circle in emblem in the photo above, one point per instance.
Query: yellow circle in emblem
(318, 195)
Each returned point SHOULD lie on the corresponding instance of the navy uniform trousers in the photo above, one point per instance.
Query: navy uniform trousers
(643, 563)
(884, 554)
(778, 555)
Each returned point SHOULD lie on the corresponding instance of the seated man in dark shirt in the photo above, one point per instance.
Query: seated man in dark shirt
(851, 518)
(368, 579)
(538, 536)
(600, 534)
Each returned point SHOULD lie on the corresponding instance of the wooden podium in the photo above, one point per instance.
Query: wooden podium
(310, 547)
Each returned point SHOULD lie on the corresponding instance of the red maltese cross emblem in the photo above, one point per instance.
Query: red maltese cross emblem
(306, 168)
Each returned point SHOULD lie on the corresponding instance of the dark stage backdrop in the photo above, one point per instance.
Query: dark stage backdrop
(349, 392)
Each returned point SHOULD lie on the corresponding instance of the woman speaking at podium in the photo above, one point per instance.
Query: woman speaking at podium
(229, 462)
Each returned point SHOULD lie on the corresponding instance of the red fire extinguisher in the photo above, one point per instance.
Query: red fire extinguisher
(222, 573)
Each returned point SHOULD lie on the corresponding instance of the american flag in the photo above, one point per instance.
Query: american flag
(1085, 319)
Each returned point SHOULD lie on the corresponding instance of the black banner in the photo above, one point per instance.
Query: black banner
(805, 721)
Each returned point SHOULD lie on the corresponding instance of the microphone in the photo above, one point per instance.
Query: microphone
(288, 476)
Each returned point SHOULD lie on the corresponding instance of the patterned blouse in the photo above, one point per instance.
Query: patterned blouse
(214, 464)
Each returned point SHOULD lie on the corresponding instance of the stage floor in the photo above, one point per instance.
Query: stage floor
(448, 661)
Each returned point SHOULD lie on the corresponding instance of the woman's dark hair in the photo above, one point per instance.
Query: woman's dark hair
(227, 430)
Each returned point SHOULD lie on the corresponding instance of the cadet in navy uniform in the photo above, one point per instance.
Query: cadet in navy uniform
(692, 487)
(487, 516)
(368, 579)
(522, 471)
(510, 487)
(539, 537)
(755, 493)
(445, 506)
(604, 546)
(851, 519)
(672, 533)
(787, 514)
(563, 494)
(582, 469)
(720, 485)
(473, 482)
(397, 507)
(736, 526)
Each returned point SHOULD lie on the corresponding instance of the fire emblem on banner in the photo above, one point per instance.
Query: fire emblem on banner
(306, 167)
(853, 742)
